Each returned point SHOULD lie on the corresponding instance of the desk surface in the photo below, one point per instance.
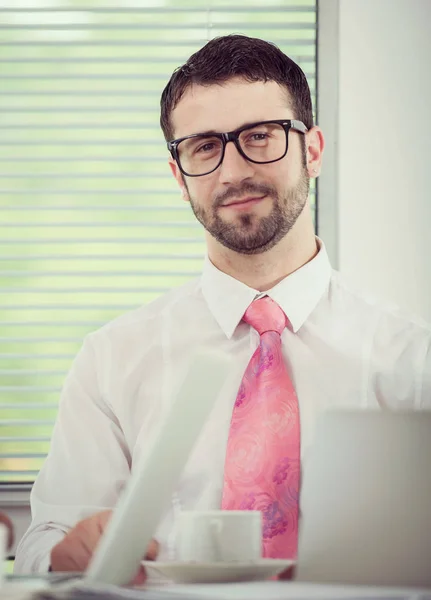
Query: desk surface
(289, 590)
(28, 589)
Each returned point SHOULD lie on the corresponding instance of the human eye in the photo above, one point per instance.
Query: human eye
(256, 136)
(206, 148)
(260, 136)
(199, 148)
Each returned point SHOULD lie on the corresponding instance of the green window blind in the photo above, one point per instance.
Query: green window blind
(91, 221)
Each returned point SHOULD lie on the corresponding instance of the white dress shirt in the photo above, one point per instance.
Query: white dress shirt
(342, 350)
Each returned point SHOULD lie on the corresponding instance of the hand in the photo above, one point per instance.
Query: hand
(75, 550)
(4, 519)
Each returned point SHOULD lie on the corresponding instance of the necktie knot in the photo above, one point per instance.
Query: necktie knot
(265, 315)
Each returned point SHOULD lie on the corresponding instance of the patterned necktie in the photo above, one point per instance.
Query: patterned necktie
(262, 468)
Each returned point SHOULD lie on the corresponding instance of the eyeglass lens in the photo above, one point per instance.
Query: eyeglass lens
(261, 143)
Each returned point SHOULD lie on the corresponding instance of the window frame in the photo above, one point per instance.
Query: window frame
(327, 102)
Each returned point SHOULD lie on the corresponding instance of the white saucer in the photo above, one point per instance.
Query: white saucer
(182, 572)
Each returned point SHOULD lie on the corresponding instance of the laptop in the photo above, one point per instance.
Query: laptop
(366, 500)
(148, 493)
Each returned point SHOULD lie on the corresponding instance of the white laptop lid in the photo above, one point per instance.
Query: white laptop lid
(366, 500)
(150, 488)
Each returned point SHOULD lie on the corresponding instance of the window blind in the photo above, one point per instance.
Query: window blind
(91, 220)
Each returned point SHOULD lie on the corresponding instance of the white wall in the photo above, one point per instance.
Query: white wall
(384, 149)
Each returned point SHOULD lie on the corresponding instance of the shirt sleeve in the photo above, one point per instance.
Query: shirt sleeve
(86, 468)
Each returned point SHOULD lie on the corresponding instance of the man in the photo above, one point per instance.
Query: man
(243, 147)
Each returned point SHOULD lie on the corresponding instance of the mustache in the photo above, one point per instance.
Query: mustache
(257, 189)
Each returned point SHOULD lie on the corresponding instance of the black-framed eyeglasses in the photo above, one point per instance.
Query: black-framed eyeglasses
(262, 142)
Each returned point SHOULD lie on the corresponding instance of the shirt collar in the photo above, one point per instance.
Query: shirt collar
(297, 294)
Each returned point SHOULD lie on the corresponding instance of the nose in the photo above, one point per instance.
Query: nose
(234, 168)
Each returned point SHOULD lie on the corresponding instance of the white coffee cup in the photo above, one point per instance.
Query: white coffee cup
(219, 536)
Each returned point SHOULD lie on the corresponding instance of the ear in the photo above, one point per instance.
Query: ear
(315, 144)
(179, 177)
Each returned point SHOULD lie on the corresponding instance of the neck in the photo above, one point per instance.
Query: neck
(263, 271)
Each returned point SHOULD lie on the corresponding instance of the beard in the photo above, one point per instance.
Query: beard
(250, 234)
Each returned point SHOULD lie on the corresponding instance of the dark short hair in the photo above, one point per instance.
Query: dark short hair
(231, 56)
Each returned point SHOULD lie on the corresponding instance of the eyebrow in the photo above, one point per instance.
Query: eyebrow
(212, 131)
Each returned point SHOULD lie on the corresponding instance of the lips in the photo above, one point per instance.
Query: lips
(243, 201)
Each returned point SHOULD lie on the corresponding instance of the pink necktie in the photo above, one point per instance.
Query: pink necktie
(262, 468)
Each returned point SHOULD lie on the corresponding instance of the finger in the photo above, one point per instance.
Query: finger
(152, 550)
(66, 557)
(74, 552)
(90, 530)
(102, 519)
(86, 536)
